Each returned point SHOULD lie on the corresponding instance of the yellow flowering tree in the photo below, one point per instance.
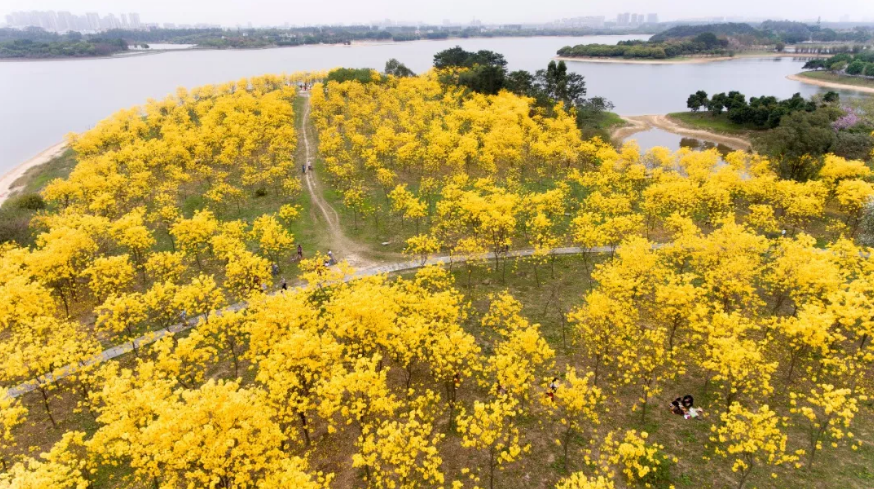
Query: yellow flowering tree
(751, 438)
(489, 428)
(829, 412)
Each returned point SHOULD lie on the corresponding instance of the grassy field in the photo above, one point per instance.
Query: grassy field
(708, 122)
(827, 76)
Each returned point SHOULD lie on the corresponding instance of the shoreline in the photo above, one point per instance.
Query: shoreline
(642, 123)
(684, 60)
(677, 61)
(827, 84)
(360, 43)
(46, 155)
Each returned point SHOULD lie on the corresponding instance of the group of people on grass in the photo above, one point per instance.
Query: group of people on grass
(685, 407)
(681, 406)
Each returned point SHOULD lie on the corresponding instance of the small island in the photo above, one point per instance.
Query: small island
(672, 44)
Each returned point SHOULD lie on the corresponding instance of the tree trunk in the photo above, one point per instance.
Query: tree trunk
(45, 403)
(304, 427)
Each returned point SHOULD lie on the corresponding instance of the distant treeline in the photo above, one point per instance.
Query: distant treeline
(828, 49)
(59, 47)
(705, 44)
(797, 32)
(219, 38)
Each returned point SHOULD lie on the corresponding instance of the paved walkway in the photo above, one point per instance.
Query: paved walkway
(119, 350)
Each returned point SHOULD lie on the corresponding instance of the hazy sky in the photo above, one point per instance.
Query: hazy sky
(277, 12)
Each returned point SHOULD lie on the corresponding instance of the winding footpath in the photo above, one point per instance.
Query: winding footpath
(343, 247)
(346, 249)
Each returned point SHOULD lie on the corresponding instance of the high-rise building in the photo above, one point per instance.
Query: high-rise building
(652, 18)
(134, 20)
(93, 21)
(623, 19)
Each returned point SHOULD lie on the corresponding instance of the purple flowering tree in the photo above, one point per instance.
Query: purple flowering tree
(848, 120)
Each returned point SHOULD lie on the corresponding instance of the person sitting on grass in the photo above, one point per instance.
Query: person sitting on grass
(676, 407)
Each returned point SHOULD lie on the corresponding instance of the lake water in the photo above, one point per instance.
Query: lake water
(659, 137)
(41, 101)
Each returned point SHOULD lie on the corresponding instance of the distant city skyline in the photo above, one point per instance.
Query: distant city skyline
(63, 20)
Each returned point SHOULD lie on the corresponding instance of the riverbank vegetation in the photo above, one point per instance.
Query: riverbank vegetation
(796, 132)
(299, 36)
(829, 77)
(851, 68)
(709, 122)
(17, 45)
(521, 363)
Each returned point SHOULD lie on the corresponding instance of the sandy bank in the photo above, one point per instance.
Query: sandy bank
(677, 61)
(689, 60)
(9, 178)
(827, 84)
(643, 122)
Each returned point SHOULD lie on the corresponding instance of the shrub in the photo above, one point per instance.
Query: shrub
(31, 202)
(856, 67)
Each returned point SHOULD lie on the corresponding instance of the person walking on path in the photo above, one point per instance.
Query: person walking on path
(299, 252)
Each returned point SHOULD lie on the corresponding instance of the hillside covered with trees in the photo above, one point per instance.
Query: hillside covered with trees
(564, 313)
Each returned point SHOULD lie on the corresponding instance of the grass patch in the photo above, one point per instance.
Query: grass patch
(36, 178)
(830, 77)
(713, 123)
(609, 120)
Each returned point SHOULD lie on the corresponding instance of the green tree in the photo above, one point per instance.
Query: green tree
(697, 100)
(856, 67)
(398, 69)
(796, 144)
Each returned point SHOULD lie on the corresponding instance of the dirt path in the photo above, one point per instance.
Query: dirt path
(643, 122)
(342, 247)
